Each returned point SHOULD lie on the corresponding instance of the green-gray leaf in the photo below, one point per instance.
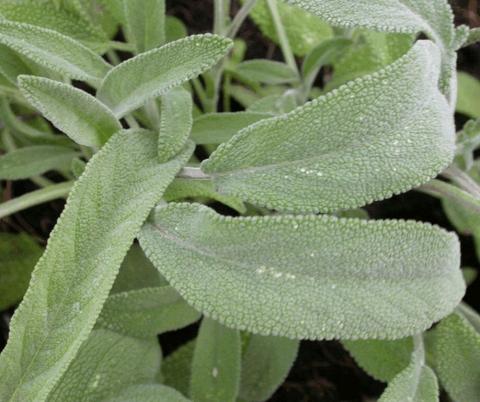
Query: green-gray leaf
(12, 65)
(468, 101)
(177, 368)
(79, 115)
(133, 82)
(266, 72)
(312, 277)
(149, 393)
(216, 364)
(69, 285)
(379, 135)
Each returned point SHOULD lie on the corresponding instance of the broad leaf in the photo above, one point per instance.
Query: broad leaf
(216, 364)
(149, 393)
(177, 368)
(31, 161)
(266, 72)
(379, 135)
(312, 277)
(154, 73)
(54, 51)
(69, 285)
(468, 101)
(18, 255)
(78, 114)
(146, 312)
(265, 365)
(106, 364)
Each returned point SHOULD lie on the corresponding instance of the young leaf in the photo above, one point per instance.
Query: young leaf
(215, 128)
(70, 283)
(377, 136)
(78, 114)
(149, 393)
(18, 255)
(306, 276)
(106, 364)
(455, 348)
(381, 359)
(468, 101)
(54, 51)
(177, 368)
(265, 365)
(145, 23)
(31, 161)
(216, 364)
(146, 312)
(154, 73)
(175, 122)
(266, 72)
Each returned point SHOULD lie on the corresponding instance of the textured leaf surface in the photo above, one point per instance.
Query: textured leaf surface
(175, 122)
(177, 368)
(71, 281)
(377, 136)
(78, 114)
(307, 276)
(456, 357)
(18, 255)
(265, 365)
(12, 65)
(26, 162)
(106, 364)
(54, 51)
(468, 101)
(154, 73)
(149, 393)
(216, 364)
(381, 359)
(266, 72)
(146, 312)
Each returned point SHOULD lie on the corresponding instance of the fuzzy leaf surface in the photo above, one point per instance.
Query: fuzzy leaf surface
(149, 393)
(70, 283)
(266, 71)
(377, 136)
(312, 277)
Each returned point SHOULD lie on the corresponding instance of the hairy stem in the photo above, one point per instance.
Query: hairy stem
(240, 18)
(463, 180)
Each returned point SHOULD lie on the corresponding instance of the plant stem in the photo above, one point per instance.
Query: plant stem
(35, 198)
(122, 46)
(221, 12)
(200, 91)
(463, 180)
(192, 173)
(153, 114)
(240, 18)
(131, 121)
(443, 190)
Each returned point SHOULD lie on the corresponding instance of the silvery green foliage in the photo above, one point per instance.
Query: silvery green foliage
(317, 262)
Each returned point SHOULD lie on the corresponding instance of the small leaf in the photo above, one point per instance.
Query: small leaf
(473, 37)
(266, 72)
(265, 365)
(348, 148)
(146, 312)
(106, 364)
(177, 368)
(54, 51)
(468, 101)
(215, 128)
(216, 364)
(35, 160)
(149, 393)
(18, 255)
(175, 122)
(133, 82)
(306, 276)
(78, 114)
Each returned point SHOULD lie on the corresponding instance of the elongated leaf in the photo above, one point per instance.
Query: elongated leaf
(456, 358)
(175, 122)
(216, 364)
(149, 393)
(12, 65)
(145, 23)
(154, 73)
(310, 277)
(265, 365)
(175, 29)
(215, 128)
(381, 359)
(468, 101)
(106, 364)
(78, 114)
(177, 368)
(146, 312)
(54, 51)
(18, 255)
(31, 161)
(70, 283)
(266, 72)
(380, 135)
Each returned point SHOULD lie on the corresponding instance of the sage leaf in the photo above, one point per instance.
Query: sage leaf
(148, 75)
(12, 65)
(216, 364)
(106, 364)
(18, 255)
(149, 393)
(307, 277)
(53, 50)
(177, 368)
(78, 114)
(265, 365)
(379, 135)
(69, 285)
(455, 348)
(175, 122)
(266, 72)
(175, 29)
(144, 313)
(31, 161)
(468, 102)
